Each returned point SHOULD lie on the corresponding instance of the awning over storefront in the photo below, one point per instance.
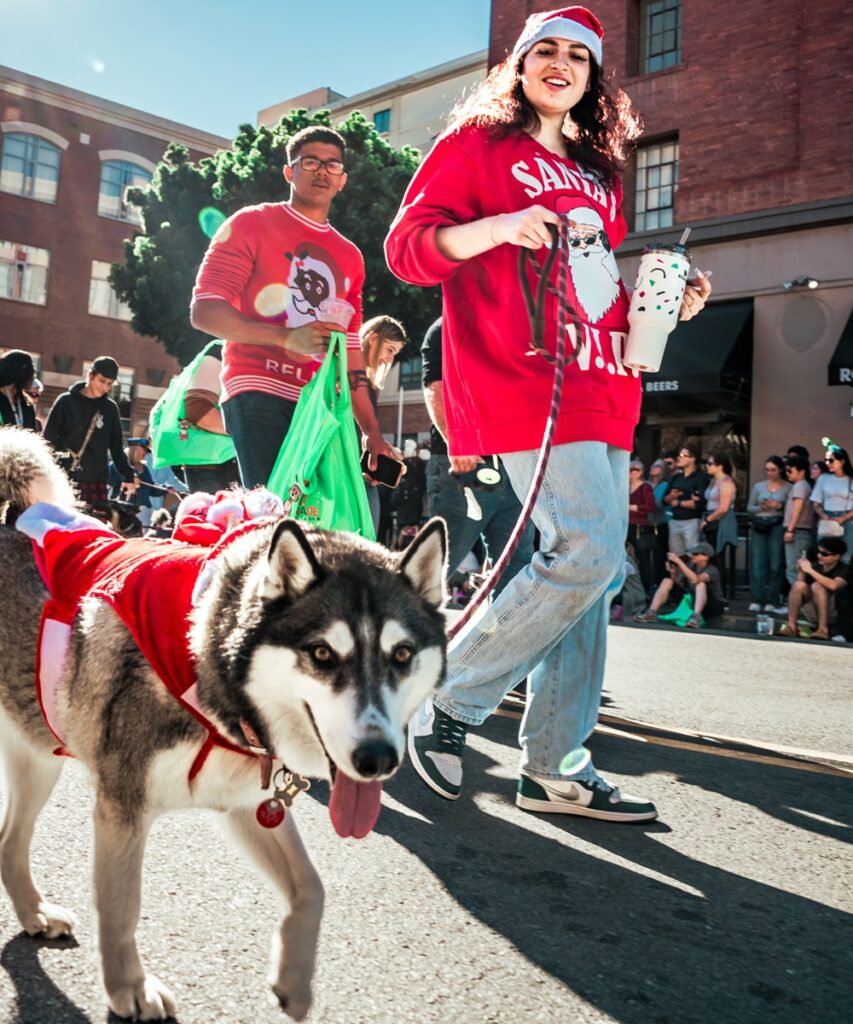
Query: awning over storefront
(703, 354)
(840, 369)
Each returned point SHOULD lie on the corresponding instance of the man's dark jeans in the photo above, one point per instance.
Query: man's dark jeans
(258, 424)
(501, 509)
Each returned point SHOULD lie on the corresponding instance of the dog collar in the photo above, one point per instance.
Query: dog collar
(288, 785)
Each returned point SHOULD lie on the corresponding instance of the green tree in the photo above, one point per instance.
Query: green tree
(186, 200)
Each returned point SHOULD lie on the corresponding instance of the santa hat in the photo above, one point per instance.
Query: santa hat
(575, 23)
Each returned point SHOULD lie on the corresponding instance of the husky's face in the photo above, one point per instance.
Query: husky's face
(352, 642)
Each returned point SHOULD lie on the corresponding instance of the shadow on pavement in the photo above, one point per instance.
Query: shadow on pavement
(38, 1000)
(636, 928)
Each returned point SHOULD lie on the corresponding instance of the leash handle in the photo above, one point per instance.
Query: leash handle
(565, 312)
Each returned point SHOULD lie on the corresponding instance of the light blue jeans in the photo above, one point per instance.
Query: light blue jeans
(550, 622)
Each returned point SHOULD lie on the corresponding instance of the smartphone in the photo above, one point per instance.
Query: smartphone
(388, 471)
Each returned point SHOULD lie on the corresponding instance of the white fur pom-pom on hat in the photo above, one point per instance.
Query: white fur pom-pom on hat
(226, 511)
(261, 502)
(195, 504)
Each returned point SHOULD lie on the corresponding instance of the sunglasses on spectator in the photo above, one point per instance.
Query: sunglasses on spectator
(830, 458)
(825, 554)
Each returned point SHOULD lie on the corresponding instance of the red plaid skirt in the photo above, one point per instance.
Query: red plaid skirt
(93, 494)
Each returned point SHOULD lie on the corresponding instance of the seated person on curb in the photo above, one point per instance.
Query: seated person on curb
(700, 578)
(815, 589)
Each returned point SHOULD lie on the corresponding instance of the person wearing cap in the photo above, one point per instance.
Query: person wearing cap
(136, 450)
(541, 137)
(17, 374)
(816, 588)
(84, 425)
(698, 577)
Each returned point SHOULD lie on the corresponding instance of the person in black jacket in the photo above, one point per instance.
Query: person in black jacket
(86, 409)
(17, 374)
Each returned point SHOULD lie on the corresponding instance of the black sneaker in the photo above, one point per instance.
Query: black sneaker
(436, 742)
(597, 799)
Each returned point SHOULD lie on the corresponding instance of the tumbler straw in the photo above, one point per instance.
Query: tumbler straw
(684, 234)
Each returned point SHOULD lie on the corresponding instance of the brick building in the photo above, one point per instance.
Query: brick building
(748, 114)
(66, 159)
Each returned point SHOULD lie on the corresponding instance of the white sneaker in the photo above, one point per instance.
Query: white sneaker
(839, 638)
(781, 609)
(755, 607)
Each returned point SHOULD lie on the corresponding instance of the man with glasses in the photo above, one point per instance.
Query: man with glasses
(276, 280)
(814, 592)
(685, 498)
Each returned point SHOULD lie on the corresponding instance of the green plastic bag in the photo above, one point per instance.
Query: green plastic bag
(317, 472)
(191, 446)
(682, 613)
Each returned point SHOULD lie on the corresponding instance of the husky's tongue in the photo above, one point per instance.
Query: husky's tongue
(354, 807)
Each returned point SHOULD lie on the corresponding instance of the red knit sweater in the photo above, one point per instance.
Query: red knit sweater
(496, 397)
(644, 498)
(272, 264)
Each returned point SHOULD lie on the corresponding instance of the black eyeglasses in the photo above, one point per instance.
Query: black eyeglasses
(314, 163)
(824, 554)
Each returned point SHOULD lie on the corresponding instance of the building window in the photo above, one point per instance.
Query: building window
(410, 373)
(657, 183)
(23, 273)
(103, 301)
(123, 397)
(117, 176)
(660, 34)
(30, 167)
(121, 394)
(382, 121)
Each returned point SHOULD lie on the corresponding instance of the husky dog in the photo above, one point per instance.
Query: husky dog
(324, 643)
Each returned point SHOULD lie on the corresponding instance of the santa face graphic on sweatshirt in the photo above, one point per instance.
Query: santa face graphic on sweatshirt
(592, 265)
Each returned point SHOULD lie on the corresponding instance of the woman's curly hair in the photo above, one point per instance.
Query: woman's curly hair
(599, 129)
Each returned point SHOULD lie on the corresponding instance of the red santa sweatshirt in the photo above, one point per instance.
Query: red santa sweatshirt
(497, 398)
(272, 264)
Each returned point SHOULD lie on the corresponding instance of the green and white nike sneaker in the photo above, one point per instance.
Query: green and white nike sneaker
(435, 743)
(596, 799)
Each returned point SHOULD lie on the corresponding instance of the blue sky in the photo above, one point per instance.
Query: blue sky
(213, 64)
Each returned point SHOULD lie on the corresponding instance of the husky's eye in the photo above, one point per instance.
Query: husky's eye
(403, 654)
(322, 654)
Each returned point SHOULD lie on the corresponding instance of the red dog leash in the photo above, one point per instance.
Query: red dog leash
(536, 310)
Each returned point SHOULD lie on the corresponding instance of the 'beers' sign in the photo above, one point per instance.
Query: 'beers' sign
(660, 385)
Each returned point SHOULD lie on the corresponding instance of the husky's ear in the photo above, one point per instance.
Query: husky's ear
(291, 567)
(424, 562)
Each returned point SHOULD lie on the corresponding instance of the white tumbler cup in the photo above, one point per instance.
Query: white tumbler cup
(653, 312)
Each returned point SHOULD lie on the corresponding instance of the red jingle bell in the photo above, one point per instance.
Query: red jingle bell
(270, 813)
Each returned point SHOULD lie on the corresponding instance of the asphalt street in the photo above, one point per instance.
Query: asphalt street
(733, 907)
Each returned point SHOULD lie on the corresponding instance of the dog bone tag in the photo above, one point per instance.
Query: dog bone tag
(292, 785)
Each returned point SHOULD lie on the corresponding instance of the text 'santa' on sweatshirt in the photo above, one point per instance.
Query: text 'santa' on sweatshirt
(272, 264)
(497, 398)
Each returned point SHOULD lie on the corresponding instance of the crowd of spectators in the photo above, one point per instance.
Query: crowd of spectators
(798, 524)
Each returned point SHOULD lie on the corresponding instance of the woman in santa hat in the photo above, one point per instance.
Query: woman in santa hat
(543, 136)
